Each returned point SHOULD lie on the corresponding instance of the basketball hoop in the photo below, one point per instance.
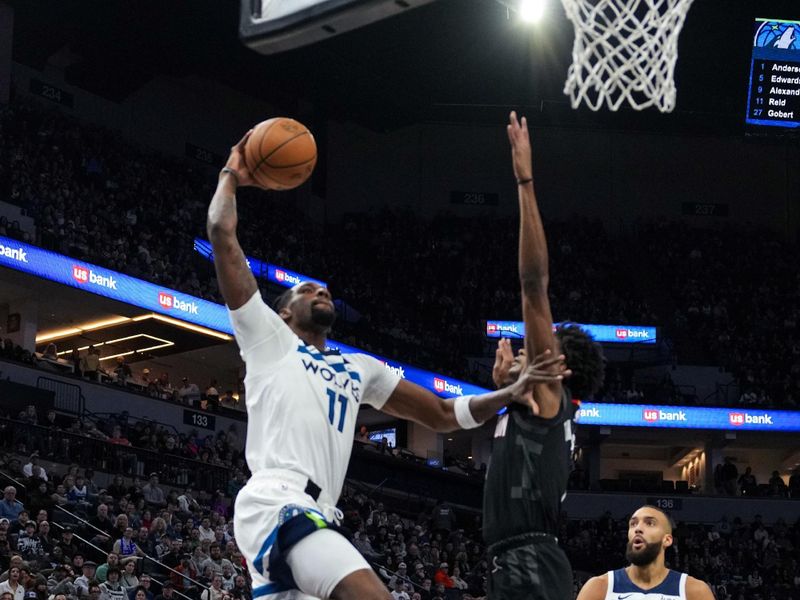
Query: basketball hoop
(624, 50)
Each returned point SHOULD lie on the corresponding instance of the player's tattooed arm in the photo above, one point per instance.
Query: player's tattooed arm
(236, 281)
(534, 272)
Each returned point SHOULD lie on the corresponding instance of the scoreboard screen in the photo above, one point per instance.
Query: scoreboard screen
(773, 99)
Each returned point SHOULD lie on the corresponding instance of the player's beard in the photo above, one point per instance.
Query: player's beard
(643, 557)
(323, 318)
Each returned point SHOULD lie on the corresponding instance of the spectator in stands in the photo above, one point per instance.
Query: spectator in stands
(458, 583)
(138, 593)
(10, 507)
(363, 435)
(68, 543)
(215, 591)
(240, 590)
(212, 394)
(187, 505)
(189, 393)
(215, 560)
(730, 476)
(167, 592)
(794, 483)
(186, 574)
(205, 531)
(125, 546)
(400, 575)
(122, 371)
(442, 576)
(16, 561)
(43, 531)
(82, 583)
(747, 483)
(117, 489)
(128, 578)
(399, 591)
(364, 546)
(94, 590)
(111, 588)
(13, 584)
(118, 438)
(90, 363)
(78, 494)
(165, 389)
(60, 581)
(103, 523)
(425, 589)
(228, 577)
(30, 416)
(33, 470)
(777, 487)
(28, 544)
(153, 494)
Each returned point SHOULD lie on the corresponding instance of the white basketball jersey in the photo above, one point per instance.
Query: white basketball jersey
(302, 403)
(620, 587)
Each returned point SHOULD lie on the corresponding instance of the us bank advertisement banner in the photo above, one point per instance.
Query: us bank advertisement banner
(274, 273)
(687, 417)
(447, 387)
(605, 334)
(111, 284)
(130, 290)
(149, 296)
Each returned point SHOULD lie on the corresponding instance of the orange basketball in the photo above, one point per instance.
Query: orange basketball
(280, 153)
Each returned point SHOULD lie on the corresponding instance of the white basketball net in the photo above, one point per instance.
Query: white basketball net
(624, 50)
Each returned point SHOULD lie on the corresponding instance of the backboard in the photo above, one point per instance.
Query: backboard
(271, 26)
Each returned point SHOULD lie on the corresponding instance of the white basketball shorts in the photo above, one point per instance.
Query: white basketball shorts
(318, 562)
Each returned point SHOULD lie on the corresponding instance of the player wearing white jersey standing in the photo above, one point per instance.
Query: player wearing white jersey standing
(647, 577)
(302, 403)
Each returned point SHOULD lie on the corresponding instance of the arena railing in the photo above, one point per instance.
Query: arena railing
(104, 554)
(100, 455)
(378, 567)
(96, 418)
(68, 396)
(15, 482)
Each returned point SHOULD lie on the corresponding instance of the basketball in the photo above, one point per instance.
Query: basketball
(280, 153)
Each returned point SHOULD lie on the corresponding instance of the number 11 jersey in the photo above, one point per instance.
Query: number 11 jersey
(302, 402)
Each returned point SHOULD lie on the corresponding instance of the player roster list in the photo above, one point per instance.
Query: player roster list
(774, 95)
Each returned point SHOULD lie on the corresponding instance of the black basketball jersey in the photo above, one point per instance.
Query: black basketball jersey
(527, 477)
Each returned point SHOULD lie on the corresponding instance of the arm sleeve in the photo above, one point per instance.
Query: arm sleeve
(263, 338)
(379, 382)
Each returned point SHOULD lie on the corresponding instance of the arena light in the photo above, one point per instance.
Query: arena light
(531, 11)
(189, 326)
(91, 326)
(54, 335)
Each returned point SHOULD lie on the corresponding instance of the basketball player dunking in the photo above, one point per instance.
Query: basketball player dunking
(532, 455)
(647, 577)
(302, 403)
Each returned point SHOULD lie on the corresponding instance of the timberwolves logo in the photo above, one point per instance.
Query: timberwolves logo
(778, 34)
(292, 510)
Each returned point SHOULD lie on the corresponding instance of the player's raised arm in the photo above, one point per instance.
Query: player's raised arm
(534, 272)
(236, 282)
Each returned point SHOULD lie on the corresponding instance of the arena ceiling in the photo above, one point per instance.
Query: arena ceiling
(451, 61)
